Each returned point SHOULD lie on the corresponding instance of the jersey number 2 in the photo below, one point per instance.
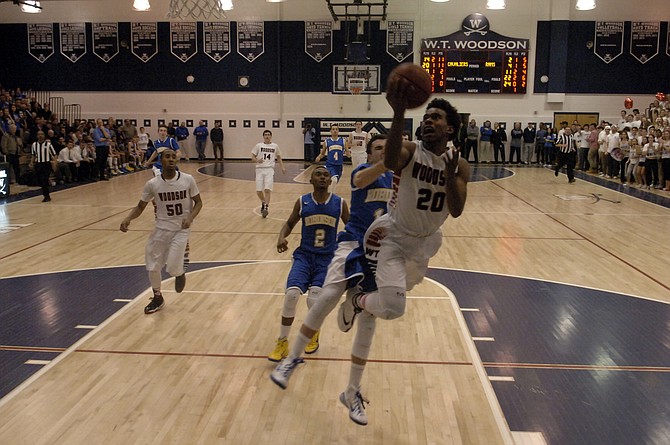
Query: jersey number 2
(319, 238)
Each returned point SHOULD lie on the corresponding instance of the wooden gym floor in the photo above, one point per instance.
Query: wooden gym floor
(544, 319)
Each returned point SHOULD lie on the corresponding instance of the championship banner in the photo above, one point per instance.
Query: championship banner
(608, 42)
(183, 40)
(144, 40)
(400, 39)
(73, 40)
(250, 42)
(644, 40)
(40, 40)
(318, 39)
(216, 39)
(105, 38)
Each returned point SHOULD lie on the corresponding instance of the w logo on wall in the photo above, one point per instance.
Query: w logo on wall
(475, 24)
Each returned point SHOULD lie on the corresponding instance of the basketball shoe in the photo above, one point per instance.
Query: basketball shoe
(180, 283)
(282, 373)
(155, 304)
(313, 345)
(356, 407)
(264, 210)
(348, 311)
(280, 352)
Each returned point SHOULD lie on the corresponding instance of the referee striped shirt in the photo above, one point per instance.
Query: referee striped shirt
(43, 151)
(565, 143)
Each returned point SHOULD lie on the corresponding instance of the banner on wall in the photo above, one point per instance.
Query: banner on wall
(644, 40)
(41, 40)
(183, 40)
(144, 40)
(319, 39)
(608, 41)
(72, 40)
(400, 39)
(250, 39)
(216, 39)
(105, 38)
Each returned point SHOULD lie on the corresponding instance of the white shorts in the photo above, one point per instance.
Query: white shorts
(403, 259)
(358, 159)
(166, 248)
(336, 270)
(265, 178)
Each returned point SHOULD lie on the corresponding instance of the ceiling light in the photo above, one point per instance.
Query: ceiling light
(439, 1)
(495, 4)
(275, 1)
(226, 5)
(586, 5)
(31, 6)
(141, 5)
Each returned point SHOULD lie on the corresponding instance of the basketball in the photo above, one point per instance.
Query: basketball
(420, 80)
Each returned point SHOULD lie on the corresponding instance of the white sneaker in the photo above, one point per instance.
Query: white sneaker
(347, 312)
(282, 373)
(356, 407)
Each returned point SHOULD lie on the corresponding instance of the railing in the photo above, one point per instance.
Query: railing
(72, 112)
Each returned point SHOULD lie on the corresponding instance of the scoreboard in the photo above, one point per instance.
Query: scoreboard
(484, 71)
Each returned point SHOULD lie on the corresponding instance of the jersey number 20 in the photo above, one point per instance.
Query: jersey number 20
(431, 201)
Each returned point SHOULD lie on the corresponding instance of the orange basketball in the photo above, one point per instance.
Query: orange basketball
(422, 84)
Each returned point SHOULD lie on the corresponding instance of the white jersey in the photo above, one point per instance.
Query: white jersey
(268, 153)
(143, 141)
(358, 142)
(419, 207)
(173, 197)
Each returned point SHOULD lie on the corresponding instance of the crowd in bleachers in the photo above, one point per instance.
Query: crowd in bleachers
(22, 117)
(634, 150)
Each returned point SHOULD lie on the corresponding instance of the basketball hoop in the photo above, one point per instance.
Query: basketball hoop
(356, 85)
(183, 9)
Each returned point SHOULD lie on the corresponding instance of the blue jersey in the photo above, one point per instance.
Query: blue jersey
(319, 224)
(335, 151)
(167, 143)
(367, 204)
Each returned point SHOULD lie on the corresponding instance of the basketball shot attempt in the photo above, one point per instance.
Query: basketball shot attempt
(430, 183)
(178, 202)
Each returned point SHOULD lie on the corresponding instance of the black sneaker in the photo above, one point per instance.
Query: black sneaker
(180, 283)
(155, 304)
(264, 211)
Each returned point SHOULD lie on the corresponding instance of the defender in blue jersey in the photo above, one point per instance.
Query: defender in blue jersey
(334, 149)
(371, 190)
(320, 212)
(164, 141)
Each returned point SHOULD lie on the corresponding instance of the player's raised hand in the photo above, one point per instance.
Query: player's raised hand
(451, 158)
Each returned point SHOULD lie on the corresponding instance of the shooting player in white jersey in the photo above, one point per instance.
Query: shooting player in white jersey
(178, 202)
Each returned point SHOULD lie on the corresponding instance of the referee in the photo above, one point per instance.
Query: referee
(567, 153)
(43, 154)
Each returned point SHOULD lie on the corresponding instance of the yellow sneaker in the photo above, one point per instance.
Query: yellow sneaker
(313, 345)
(281, 350)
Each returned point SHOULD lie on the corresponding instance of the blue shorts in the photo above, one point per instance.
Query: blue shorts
(335, 170)
(308, 269)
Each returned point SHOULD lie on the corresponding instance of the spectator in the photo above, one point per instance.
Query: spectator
(529, 134)
(498, 140)
(201, 134)
(102, 138)
(217, 141)
(12, 144)
(515, 143)
(181, 135)
(309, 133)
(485, 142)
(129, 130)
(471, 141)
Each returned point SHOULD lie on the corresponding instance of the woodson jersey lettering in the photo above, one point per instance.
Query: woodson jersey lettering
(358, 144)
(367, 204)
(419, 206)
(335, 150)
(319, 224)
(268, 153)
(173, 199)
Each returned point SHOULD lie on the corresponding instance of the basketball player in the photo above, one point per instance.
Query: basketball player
(358, 141)
(371, 191)
(334, 149)
(431, 181)
(163, 141)
(178, 202)
(320, 212)
(264, 155)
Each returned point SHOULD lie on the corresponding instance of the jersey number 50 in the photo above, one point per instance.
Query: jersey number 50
(174, 209)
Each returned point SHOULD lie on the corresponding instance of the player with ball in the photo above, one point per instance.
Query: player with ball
(431, 180)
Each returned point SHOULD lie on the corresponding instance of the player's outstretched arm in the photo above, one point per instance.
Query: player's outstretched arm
(282, 242)
(134, 213)
(367, 176)
(397, 152)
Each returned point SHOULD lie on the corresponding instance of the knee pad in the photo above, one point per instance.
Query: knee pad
(290, 302)
(391, 302)
(312, 296)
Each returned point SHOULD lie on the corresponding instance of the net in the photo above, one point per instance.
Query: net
(357, 85)
(184, 9)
